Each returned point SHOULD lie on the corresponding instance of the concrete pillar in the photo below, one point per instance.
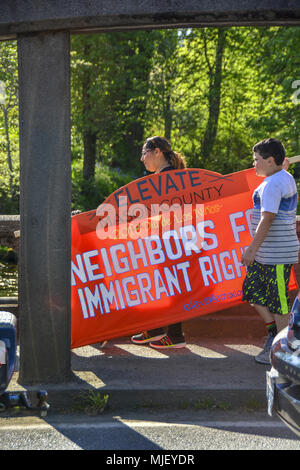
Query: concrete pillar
(45, 208)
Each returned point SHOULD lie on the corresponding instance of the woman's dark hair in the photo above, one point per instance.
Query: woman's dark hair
(174, 159)
(271, 148)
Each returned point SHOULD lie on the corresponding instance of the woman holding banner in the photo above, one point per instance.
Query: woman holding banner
(158, 156)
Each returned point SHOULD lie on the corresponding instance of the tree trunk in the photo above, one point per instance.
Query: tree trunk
(9, 158)
(133, 139)
(214, 97)
(89, 162)
(89, 134)
(168, 117)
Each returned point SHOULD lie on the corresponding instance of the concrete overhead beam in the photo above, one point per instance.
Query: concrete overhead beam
(27, 16)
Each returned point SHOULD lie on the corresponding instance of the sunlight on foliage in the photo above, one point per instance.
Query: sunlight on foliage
(214, 92)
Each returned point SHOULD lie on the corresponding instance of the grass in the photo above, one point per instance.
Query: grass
(92, 403)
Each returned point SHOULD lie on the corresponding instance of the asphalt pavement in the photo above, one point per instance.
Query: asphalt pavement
(215, 369)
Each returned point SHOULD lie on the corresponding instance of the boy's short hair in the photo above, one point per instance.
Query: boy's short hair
(271, 148)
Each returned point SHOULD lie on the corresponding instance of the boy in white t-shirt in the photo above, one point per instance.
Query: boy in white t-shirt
(275, 246)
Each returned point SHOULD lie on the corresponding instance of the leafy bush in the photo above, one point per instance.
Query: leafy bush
(87, 195)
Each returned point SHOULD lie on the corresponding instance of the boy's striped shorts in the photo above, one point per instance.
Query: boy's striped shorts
(268, 285)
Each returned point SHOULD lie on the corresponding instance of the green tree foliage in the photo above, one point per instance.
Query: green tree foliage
(259, 66)
(163, 81)
(110, 88)
(214, 92)
(9, 162)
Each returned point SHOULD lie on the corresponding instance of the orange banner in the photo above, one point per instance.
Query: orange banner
(162, 249)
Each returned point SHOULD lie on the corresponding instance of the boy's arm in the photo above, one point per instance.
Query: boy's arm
(261, 233)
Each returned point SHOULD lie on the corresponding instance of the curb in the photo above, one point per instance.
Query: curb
(75, 398)
(167, 399)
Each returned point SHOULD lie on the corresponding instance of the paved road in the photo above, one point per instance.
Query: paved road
(148, 431)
